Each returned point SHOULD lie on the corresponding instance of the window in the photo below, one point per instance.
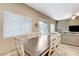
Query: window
(16, 25)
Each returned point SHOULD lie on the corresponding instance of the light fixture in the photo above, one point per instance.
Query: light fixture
(75, 16)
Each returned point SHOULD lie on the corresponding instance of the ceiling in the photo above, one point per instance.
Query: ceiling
(57, 11)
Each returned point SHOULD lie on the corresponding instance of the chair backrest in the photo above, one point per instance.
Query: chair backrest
(19, 46)
(54, 42)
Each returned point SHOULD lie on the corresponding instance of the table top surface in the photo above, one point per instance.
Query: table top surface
(36, 46)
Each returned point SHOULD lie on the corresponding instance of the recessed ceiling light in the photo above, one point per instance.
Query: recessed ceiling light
(63, 17)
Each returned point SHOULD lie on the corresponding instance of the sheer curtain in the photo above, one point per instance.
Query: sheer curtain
(52, 28)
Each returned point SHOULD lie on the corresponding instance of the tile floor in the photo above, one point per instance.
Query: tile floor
(67, 50)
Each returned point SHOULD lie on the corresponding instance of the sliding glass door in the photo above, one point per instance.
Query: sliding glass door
(43, 42)
(52, 28)
(43, 28)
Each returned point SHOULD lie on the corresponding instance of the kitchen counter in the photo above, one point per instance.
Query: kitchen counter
(70, 38)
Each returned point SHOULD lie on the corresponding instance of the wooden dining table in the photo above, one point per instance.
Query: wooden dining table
(36, 46)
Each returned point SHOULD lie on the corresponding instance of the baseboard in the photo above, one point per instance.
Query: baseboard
(70, 44)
